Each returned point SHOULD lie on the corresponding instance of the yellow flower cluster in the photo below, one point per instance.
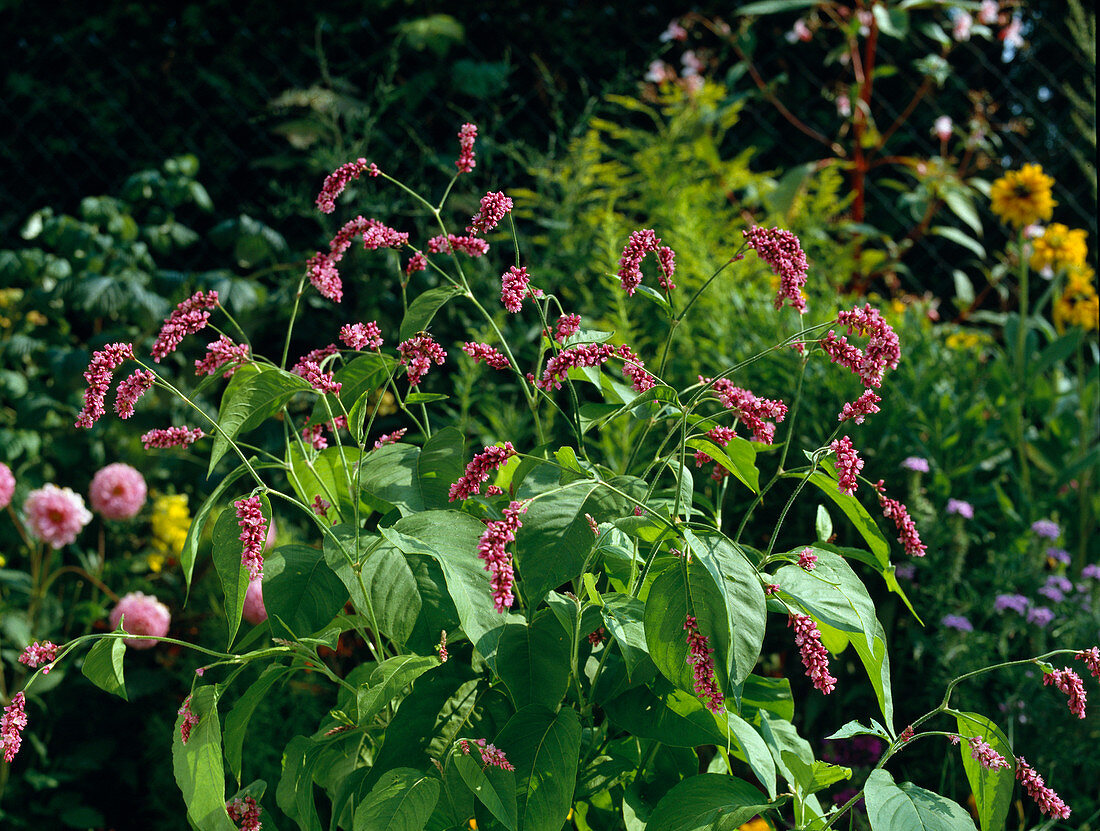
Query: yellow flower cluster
(1023, 197)
(170, 519)
(1059, 247)
(1078, 305)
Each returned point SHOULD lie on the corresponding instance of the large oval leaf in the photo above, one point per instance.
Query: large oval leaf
(403, 800)
(906, 807)
(545, 749)
(423, 309)
(198, 765)
(533, 661)
(252, 396)
(707, 802)
(301, 591)
(992, 788)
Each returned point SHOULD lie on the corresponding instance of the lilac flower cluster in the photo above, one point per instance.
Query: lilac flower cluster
(189, 317)
(219, 353)
(484, 352)
(1016, 602)
(848, 465)
(1046, 529)
(498, 562)
(961, 508)
(642, 242)
(250, 517)
(917, 464)
(699, 656)
(99, 375)
(417, 354)
(478, 470)
(814, 655)
(957, 622)
(783, 252)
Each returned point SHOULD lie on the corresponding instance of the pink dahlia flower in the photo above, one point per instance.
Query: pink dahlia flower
(254, 611)
(141, 614)
(117, 491)
(7, 485)
(55, 515)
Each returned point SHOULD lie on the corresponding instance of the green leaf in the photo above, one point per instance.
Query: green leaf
(992, 789)
(455, 717)
(815, 777)
(832, 593)
(403, 800)
(330, 475)
(876, 662)
(545, 749)
(301, 591)
(495, 788)
(750, 748)
(424, 397)
(236, 723)
(960, 238)
(387, 681)
(665, 714)
(227, 550)
(451, 538)
(533, 661)
(198, 765)
(855, 512)
(707, 802)
(741, 593)
(624, 618)
(423, 309)
(294, 794)
(378, 579)
(823, 524)
(654, 296)
(773, 695)
(103, 665)
(360, 377)
(413, 479)
(891, 22)
(906, 807)
(962, 205)
(251, 397)
(738, 457)
(854, 728)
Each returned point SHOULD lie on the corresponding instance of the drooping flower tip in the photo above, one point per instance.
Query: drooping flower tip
(223, 353)
(498, 561)
(418, 353)
(848, 465)
(189, 720)
(1091, 657)
(379, 235)
(858, 410)
(338, 180)
(130, 389)
(250, 518)
(1070, 683)
(12, 725)
(468, 245)
(99, 375)
(189, 316)
(37, 654)
(117, 491)
(882, 352)
(753, 411)
(483, 352)
(634, 369)
(814, 655)
(55, 515)
(1048, 801)
(141, 614)
(466, 137)
(171, 437)
(515, 285)
(390, 438)
(700, 657)
(557, 368)
(783, 252)
(908, 535)
(494, 207)
(479, 469)
(642, 242)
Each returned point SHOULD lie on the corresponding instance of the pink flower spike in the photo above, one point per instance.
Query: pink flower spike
(441, 650)
(987, 757)
(357, 335)
(858, 410)
(642, 242)
(470, 246)
(466, 137)
(1091, 657)
(172, 437)
(883, 350)
(417, 262)
(12, 724)
(98, 375)
(320, 506)
(1070, 683)
(390, 438)
(848, 464)
(814, 655)
(314, 434)
(634, 369)
(189, 317)
(753, 411)
(567, 325)
(221, 352)
(378, 235)
(483, 352)
(250, 517)
(117, 491)
(1048, 801)
(498, 561)
(557, 368)
(244, 811)
(38, 654)
(699, 656)
(494, 207)
(907, 529)
(807, 559)
(783, 252)
(417, 354)
(130, 389)
(189, 720)
(515, 285)
(478, 470)
(336, 181)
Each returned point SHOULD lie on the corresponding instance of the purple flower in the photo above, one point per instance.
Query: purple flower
(1016, 602)
(905, 571)
(958, 506)
(1059, 555)
(1040, 616)
(1046, 529)
(1091, 572)
(915, 463)
(957, 622)
(1052, 594)
(1059, 582)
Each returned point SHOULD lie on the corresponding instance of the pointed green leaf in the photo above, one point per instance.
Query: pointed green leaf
(707, 801)
(832, 593)
(330, 475)
(403, 800)
(906, 807)
(301, 591)
(494, 788)
(423, 309)
(533, 661)
(294, 794)
(738, 457)
(992, 788)
(855, 512)
(387, 681)
(198, 765)
(545, 749)
(103, 665)
(236, 722)
(624, 618)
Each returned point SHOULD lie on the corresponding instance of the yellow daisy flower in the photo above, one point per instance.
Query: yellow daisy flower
(1059, 247)
(1078, 305)
(1022, 197)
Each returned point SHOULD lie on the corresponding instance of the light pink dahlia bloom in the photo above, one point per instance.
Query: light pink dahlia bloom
(7, 485)
(141, 614)
(117, 491)
(55, 515)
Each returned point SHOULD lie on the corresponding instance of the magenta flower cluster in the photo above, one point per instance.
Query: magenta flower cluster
(642, 242)
(478, 470)
(221, 352)
(98, 375)
(634, 369)
(1048, 801)
(814, 655)
(848, 464)
(1091, 657)
(359, 335)
(390, 438)
(807, 559)
(882, 352)
(567, 325)
(38, 654)
(515, 285)
(187, 318)
(490, 754)
(908, 535)
(700, 657)
(171, 437)
(783, 252)
(754, 412)
(484, 352)
(245, 812)
(336, 181)
(12, 725)
(466, 136)
(498, 562)
(130, 389)
(720, 436)
(189, 720)
(417, 354)
(493, 208)
(987, 757)
(468, 245)
(589, 354)
(250, 517)
(1070, 683)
